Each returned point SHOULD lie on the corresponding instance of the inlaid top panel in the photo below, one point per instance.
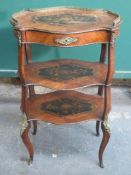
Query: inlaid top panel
(65, 20)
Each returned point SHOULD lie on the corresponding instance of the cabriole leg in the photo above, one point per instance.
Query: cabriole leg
(97, 128)
(34, 122)
(100, 92)
(100, 87)
(25, 138)
(106, 135)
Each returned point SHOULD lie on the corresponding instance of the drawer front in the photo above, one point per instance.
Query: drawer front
(67, 40)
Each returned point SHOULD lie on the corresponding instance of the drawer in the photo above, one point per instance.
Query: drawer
(67, 40)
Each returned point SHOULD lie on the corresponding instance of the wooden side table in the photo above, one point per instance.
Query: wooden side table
(65, 27)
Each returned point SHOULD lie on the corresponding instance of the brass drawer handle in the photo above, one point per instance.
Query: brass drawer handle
(66, 40)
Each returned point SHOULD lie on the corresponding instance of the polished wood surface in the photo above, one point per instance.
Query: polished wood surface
(65, 20)
(65, 107)
(101, 87)
(65, 74)
(80, 38)
(105, 140)
(66, 27)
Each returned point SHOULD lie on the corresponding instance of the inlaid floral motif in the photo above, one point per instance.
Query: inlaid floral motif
(65, 72)
(61, 19)
(66, 106)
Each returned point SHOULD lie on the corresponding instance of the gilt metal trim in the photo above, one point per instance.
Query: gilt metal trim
(106, 124)
(113, 37)
(66, 40)
(18, 35)
(24, 123)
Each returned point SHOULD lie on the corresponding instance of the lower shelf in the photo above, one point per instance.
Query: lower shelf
(65, 107)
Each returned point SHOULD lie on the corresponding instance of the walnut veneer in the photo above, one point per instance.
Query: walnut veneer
(65, 74)
(65, 27)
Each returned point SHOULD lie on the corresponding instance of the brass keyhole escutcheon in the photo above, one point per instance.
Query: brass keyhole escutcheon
(66, 40)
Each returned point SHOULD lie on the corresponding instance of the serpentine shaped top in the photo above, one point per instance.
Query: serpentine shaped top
(65, 20)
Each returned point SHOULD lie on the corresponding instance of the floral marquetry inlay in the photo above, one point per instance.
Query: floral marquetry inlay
(61, 19)
(65, 72)
(66, 106)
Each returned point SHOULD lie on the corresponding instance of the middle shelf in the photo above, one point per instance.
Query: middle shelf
(65, 73)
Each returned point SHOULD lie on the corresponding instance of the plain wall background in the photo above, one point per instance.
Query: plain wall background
(8, 43)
